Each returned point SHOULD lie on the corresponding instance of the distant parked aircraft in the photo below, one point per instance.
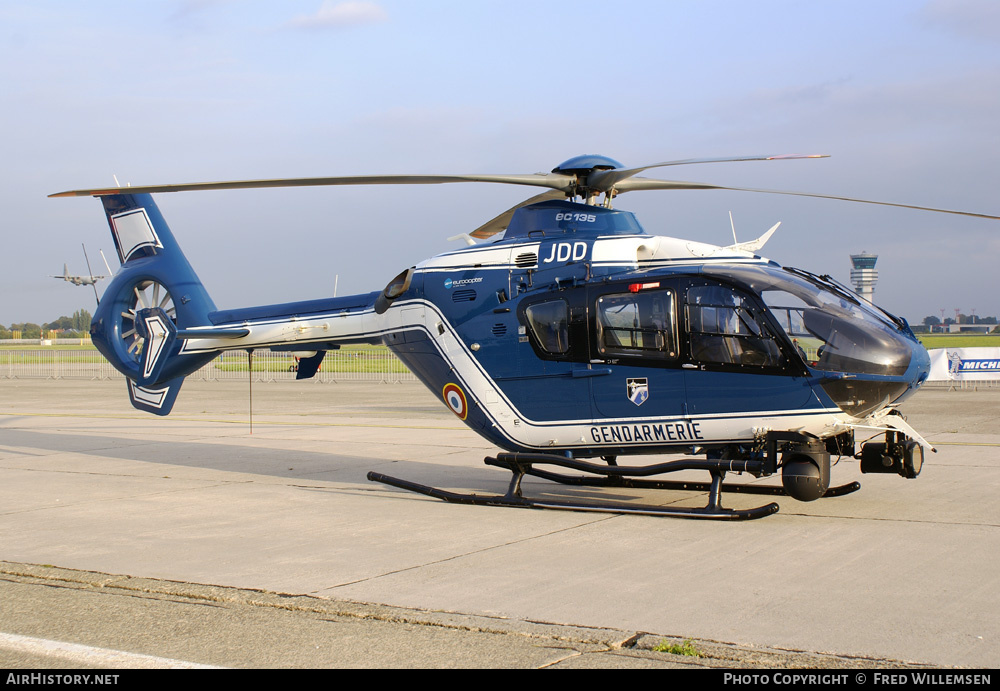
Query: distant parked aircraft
(90, 280)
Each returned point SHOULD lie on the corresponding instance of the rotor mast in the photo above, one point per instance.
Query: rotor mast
(583, 169)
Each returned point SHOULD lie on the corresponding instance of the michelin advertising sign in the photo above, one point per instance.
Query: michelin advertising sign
(964, 364)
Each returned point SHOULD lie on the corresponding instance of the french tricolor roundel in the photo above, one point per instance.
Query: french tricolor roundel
(455, 398)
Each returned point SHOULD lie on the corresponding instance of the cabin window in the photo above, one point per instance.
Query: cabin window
(549, 322)
(638, 324)
(725, 328)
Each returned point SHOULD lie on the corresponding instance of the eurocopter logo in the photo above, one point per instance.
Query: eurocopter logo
(637, 390)
(957, 365)
(449, 284)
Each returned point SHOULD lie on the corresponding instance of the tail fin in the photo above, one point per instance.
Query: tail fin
(155, 294)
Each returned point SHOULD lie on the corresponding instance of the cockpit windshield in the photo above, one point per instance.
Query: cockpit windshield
(829, 329)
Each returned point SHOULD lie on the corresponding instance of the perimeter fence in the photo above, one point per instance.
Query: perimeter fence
(368, 364)
(348, 364)
(956, 385)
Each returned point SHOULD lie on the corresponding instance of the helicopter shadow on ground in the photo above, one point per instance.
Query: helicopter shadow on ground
(327, 438)
(273, 455)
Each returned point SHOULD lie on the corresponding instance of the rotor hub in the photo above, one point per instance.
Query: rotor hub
(581, 165)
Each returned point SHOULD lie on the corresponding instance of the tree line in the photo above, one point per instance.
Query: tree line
(77, 326)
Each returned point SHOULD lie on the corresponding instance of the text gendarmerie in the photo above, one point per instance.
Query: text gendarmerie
(659, 432)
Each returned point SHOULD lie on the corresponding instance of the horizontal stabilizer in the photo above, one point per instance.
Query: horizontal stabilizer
(186, 334)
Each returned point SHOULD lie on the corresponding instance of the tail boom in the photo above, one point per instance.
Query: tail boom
(156, 323)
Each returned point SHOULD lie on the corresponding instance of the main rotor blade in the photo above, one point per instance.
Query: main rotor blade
(635, 184)
(89, 270)
(605, 180)
(500, 223)
(564, 183)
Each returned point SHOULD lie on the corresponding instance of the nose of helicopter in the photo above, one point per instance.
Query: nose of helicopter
(920, 367)
(894, 369)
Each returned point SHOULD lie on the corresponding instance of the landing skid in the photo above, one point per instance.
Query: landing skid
(616, 476)
(681, 485)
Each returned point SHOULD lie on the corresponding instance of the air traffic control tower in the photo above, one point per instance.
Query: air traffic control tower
(863, 274)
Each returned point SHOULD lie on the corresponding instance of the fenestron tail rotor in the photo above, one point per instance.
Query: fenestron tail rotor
(145, 295)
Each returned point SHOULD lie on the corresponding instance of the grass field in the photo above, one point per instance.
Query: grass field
(73, 344)
(932, 341)
(355, 359)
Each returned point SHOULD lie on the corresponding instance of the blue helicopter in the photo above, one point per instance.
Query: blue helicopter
(569, 333)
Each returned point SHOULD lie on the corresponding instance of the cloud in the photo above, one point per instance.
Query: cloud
(333, 15)
(977, 19)
(191, 6)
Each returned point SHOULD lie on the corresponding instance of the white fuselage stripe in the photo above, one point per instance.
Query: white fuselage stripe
(424, 316)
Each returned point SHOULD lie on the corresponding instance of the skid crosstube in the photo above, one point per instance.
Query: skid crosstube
(521, 464)
(628, 480)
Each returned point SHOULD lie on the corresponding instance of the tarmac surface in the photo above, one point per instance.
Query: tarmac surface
(128, 540)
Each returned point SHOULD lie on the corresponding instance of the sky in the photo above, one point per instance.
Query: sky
(903, 96)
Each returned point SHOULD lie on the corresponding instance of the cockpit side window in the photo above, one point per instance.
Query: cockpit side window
(726, 328)
(637, 324)
(830, 330)
(789, 311)
(833, 334)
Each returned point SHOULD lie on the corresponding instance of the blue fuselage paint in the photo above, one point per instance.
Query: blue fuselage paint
(460, 323)
(482, 304)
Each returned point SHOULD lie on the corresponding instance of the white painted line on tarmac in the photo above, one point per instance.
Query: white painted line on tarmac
(85, 654)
